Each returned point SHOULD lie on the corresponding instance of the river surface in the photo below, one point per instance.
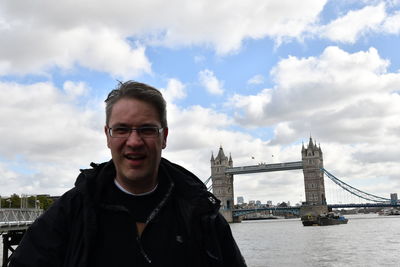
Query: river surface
(367, 240)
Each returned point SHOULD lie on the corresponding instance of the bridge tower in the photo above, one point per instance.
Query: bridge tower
(313, 179)
(222, 184)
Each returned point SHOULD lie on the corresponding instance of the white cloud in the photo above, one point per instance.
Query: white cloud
(256, 79)
(109, 52)
(98, 35)
(74, 33)
(252, 105)
(98, 49)
(46, 137)
(335, 95)
(210, 82)
(234, 21)
(9, 179)
(392, 24)
(73, 89)
(357, 23)
(175, 90)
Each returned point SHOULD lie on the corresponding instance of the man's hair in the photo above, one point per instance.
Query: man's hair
(139, 91)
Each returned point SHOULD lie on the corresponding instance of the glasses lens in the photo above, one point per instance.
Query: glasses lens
(148, 131)
(120, 132)
(124, 132)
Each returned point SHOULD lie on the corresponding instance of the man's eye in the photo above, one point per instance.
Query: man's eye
(148, 130)
(119, 130)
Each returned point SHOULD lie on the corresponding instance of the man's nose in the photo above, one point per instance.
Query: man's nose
(134, 139)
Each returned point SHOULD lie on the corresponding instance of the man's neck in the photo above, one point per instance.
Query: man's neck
(142, 192)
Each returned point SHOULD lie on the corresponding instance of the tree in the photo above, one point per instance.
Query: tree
(31, 202)
(15, 201)
(44, 201)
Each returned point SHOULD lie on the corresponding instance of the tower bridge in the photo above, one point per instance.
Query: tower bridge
(222, 174)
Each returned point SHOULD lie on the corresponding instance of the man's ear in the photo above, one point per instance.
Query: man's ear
(107, 136)
(165, 135)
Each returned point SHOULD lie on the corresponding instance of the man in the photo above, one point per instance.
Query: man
(137, 209)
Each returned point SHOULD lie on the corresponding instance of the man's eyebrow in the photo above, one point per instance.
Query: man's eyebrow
(149, 125)
(121, 125)
(130, 126)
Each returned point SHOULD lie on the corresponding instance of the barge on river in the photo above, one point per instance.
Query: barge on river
(323, 219)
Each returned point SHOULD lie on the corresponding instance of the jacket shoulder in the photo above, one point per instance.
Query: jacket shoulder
(90, 173)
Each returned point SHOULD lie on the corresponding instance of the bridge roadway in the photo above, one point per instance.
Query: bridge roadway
(295, 165)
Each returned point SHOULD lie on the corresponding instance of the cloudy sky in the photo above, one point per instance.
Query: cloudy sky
(257, 77)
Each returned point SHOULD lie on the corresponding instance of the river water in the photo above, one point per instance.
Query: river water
(367, 240)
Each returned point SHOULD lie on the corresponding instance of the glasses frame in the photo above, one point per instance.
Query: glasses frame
(138, 131)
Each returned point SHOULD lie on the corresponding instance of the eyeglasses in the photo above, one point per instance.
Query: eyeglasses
(144, 132)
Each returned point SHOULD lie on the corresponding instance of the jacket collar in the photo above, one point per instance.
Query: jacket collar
(186, 185)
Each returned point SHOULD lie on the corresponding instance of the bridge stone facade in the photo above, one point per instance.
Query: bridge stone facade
(313, 175)
(222, 183)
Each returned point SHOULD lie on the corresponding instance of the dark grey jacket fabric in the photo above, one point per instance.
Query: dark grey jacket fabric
(65, 235)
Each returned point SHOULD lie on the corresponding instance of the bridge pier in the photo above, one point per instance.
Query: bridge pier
(10, 239)
(237, 219)
(227, 214)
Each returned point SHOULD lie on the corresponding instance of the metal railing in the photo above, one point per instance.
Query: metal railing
(17, 219)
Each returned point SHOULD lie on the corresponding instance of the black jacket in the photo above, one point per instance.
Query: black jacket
(66, 234)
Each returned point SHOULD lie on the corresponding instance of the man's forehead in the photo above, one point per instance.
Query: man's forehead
(126, 110)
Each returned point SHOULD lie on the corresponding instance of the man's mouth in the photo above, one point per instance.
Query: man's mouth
(134, 157)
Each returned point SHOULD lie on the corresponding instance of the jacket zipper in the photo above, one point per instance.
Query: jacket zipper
(142, 250)
(149, 219)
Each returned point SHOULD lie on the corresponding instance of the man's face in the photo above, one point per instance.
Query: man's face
(136, 159)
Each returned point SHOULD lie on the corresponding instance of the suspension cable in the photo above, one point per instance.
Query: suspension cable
(354, 190)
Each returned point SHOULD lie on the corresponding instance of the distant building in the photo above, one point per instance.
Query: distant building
(393, 198)
(240, 200)
(269, 202)
(258, 202)
(283, 204)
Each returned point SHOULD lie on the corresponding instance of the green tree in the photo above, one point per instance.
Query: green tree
(31, 202)
(44, 201)
(15, 201)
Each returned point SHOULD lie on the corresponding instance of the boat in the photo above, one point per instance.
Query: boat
(323, 219)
